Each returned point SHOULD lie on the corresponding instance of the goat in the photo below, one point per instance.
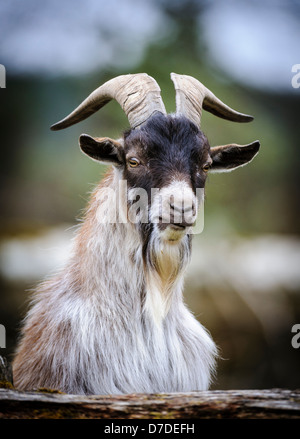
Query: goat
(113, 320)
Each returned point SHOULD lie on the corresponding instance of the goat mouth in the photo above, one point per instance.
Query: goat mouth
(175, 227)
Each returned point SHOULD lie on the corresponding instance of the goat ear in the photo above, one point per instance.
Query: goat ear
(228, 157)
(102, 149)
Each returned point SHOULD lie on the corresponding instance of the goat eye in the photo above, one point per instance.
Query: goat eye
(133, 162)
(206, 168)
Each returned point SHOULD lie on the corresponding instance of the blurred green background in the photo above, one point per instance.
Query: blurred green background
(244, 279)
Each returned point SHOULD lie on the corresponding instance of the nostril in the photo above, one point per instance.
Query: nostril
(183, 209)
(177, 208)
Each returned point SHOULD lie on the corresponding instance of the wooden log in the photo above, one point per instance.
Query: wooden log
(6, 376)
(229, 404)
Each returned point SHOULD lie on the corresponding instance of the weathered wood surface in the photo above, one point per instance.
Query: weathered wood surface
(246, 404)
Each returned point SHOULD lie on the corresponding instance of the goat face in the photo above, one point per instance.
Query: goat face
(165, 164)
(168, 159)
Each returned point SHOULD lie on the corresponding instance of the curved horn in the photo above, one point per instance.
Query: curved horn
(192, 96)
(138, 95)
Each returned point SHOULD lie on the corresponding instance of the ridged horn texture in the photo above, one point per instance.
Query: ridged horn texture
(138, 95)
(192, 96)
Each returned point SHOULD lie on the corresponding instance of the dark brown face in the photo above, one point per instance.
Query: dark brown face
(168, 159)
(165, 150)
